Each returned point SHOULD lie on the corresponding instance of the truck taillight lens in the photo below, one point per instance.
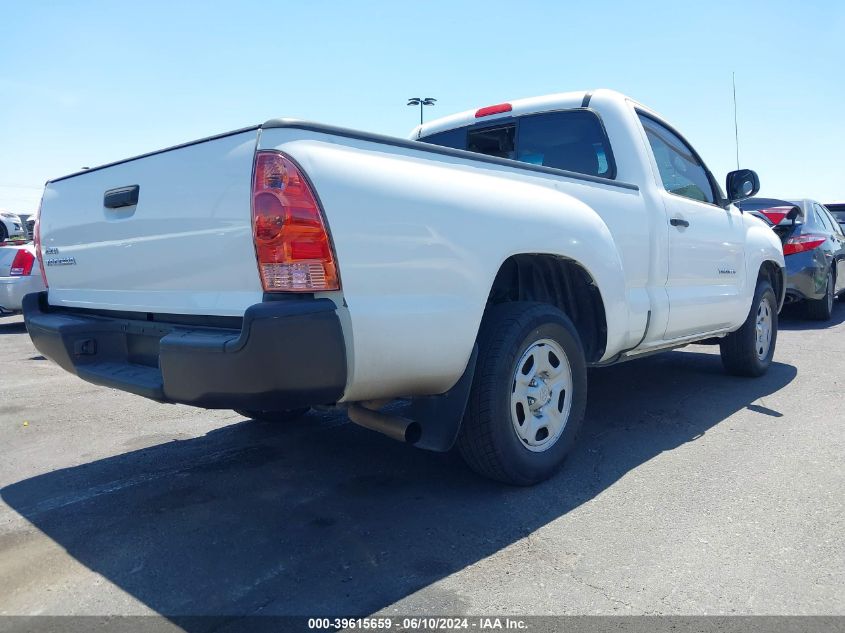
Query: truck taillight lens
(291, 240)
(36, 241)
(22, 264)
(801, 243)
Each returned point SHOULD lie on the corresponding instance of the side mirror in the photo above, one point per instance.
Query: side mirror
(741, 184)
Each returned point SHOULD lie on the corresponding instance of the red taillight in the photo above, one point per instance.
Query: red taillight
(801, 243)
(36, 241)
(493, 109)
(22, 264)
(291, 240)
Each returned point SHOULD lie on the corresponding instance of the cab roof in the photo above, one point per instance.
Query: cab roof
(519, 107)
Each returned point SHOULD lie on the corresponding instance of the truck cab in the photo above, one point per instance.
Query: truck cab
(697, 262)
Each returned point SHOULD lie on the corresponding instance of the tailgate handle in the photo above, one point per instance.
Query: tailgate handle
(121, 197)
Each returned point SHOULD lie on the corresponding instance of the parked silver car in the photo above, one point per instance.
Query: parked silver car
(20, 274)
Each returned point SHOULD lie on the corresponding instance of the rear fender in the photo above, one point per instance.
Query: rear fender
(420, 238)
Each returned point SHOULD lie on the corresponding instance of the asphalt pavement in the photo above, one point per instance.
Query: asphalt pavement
(689, 492)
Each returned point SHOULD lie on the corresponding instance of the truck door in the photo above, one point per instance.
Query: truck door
(706, 278)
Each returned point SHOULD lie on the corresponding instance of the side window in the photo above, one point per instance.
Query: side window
(829, 222)
(680, 170)
(819, 219)
(573, 140)
(837, 228)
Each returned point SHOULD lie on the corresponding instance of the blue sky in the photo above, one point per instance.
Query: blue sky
(83, 83)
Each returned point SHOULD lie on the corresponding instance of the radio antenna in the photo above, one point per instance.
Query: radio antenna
(736, 126)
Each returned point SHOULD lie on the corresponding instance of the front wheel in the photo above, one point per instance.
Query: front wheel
(749, 350)
(528, 394)
(276, 417)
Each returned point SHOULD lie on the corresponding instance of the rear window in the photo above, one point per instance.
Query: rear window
(493, 141)
(456, 139)
(573, 140)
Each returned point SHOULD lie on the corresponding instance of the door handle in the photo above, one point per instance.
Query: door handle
(121, 197)
(678, 222)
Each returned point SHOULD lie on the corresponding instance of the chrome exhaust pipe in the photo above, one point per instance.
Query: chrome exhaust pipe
(393, 426)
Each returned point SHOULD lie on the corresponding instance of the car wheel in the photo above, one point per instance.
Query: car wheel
(749, 350)
(278, 417)
(821, 309)
(4, 234)
(528, 394)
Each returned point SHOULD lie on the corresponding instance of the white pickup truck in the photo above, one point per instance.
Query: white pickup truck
(475, 270)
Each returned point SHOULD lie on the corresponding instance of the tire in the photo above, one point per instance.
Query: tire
(743, 352)
(510, 335)
(277, 417)
(4, 234)
(821, 309)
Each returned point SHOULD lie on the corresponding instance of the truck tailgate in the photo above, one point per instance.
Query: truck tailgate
(185, 247)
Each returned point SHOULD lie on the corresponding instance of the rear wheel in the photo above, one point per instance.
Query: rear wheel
(278, 417)
(821, 309)
(528, 395)
(749, 350)
(4, 234)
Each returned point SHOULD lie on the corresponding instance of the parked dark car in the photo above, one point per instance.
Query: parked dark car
(837, 210)
(814, 250)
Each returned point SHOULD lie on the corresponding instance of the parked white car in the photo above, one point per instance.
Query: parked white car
(477, 269)
(11, 226)
(20, 275)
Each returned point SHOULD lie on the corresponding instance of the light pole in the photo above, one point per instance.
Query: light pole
(420, 101)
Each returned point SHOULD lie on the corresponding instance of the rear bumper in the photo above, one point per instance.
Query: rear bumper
(806, 276)
(14, 289)
(286, 354)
